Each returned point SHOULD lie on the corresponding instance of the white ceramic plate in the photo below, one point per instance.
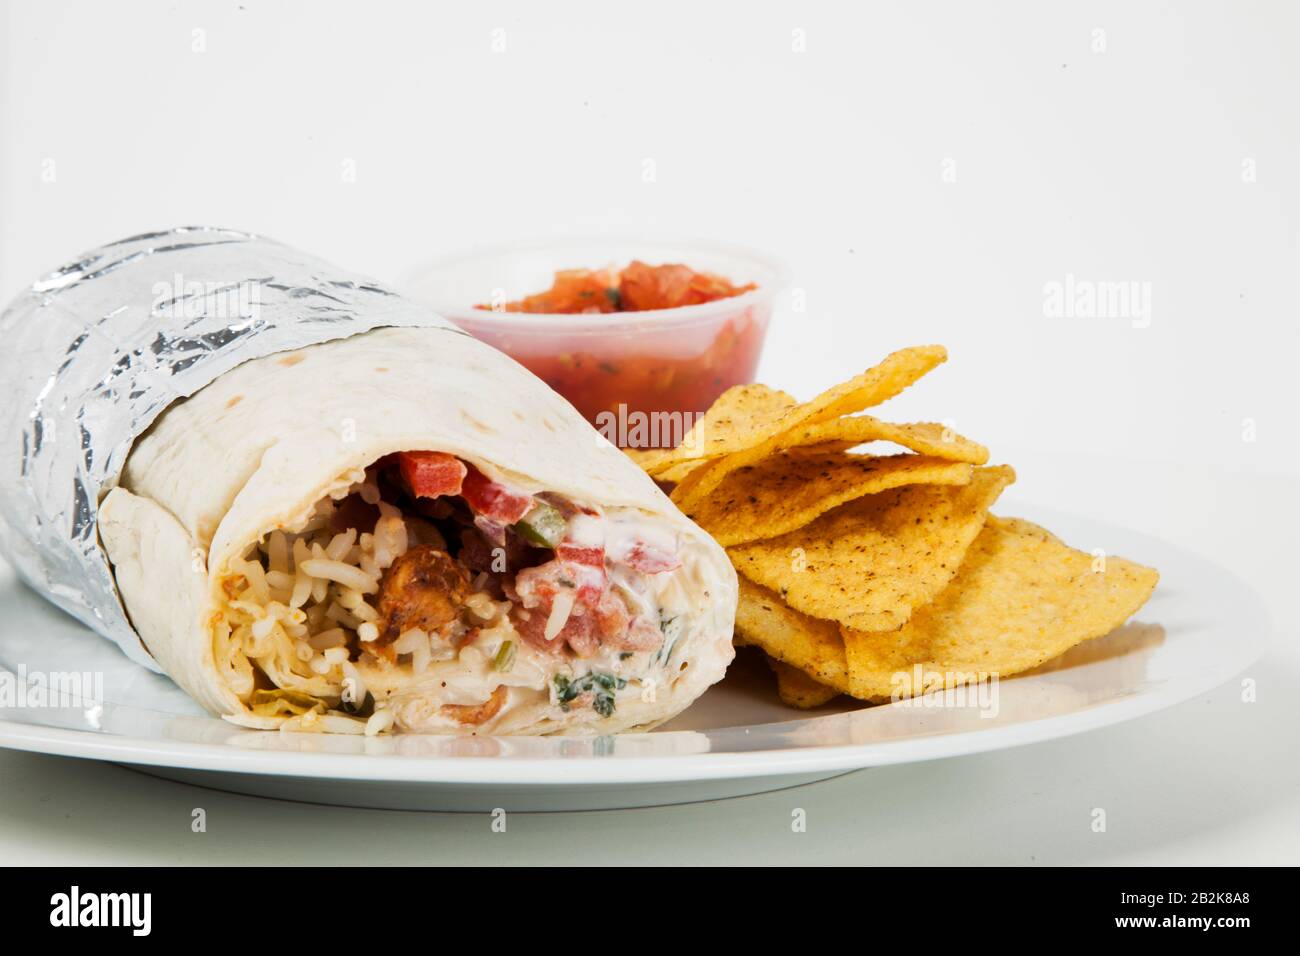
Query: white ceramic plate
(1202, 626)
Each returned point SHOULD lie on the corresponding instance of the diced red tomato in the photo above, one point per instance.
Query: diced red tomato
(492, 500)
(581, 554)
(636, 288)
(587, 628)
(580, 634)
(538, 586)
(585, 566)
(670, 286)
(591, 582)
(640, 635)
(641, 557)
(599, 616)
(431, 474)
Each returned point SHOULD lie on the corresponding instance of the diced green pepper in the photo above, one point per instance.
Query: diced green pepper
(543, 525)
(505, 658)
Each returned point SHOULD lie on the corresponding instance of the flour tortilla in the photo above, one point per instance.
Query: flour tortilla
(257, 448)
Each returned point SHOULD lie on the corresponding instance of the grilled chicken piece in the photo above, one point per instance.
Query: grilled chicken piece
(477, 713)
(425, 588)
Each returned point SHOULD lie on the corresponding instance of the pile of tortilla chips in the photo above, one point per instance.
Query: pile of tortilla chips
(882, 576)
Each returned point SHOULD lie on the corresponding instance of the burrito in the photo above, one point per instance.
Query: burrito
(402, 530)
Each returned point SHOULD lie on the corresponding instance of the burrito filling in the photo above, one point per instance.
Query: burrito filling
(427, 596)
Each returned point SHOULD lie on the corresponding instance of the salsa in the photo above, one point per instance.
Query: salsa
(597, 385)
(617, 379)
(637, 288)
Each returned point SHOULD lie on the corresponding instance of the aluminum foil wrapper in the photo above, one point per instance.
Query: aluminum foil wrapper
(96, 351)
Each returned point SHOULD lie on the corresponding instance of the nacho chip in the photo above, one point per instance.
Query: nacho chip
(742, 416)
(797, 689)
(814, 647)
(674, 473)
(670, 474)
(877, 384)
(870, 563)
(1021, 598)
(837, 435)
(924, 438)
(1131, 643)
(788, 490)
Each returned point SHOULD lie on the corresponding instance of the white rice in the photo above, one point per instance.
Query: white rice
(408, 641)
(347, 575)
(559, 616)
(298, 601)
(341, 544)
(339, 615)
(379, 721)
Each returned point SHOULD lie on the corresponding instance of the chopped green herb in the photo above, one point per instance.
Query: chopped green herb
(602, 687)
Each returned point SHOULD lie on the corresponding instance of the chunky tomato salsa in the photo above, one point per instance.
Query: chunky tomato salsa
(637, 288)
(605, 388)
(606, 380)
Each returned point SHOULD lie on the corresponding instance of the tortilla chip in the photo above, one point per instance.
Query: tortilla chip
(742, 416)
(839, 434)
(788, 490)
(870, 563)
(877, 384)
(1021, 598)
(672, 474)
(924, 438)
(814, 647)
(1132, 642)
(797, 689)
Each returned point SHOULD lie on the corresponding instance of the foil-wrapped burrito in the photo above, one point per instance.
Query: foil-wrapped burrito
(317, 505)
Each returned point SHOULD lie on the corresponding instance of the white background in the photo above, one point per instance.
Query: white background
(1152, 143)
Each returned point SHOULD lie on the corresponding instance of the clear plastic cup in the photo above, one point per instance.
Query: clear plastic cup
(642, 378)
